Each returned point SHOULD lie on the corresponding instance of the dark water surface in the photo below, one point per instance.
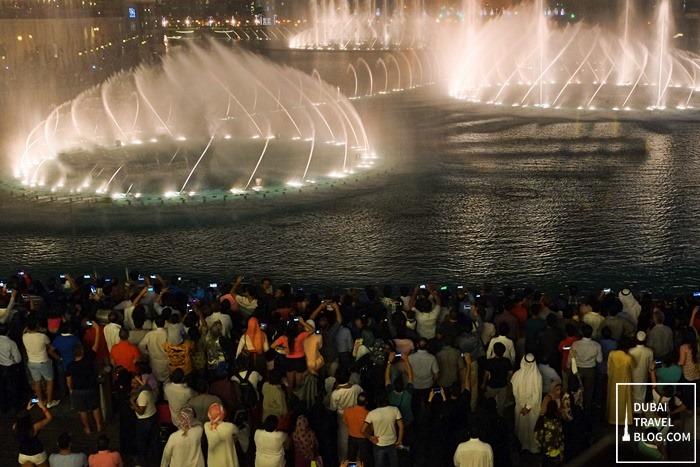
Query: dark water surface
(469, 194)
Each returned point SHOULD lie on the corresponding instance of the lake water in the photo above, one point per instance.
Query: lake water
(464, 193)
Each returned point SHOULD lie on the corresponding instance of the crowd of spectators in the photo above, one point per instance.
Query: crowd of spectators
(246, 373)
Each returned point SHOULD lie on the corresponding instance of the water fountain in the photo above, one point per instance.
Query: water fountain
(522, 59)
(361, 25)
(205, 119)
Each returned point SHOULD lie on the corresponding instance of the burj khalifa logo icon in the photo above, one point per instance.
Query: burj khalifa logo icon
(626, 435)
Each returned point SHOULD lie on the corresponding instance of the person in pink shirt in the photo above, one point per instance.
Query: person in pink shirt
(105, 457)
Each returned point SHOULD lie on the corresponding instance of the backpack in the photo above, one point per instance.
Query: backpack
(243, 391)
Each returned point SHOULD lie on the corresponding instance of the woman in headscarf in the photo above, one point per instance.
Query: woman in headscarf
(527, 390)
(254, 343)
(184, 447)
(221, 437)
(554, 394)
(305, 443)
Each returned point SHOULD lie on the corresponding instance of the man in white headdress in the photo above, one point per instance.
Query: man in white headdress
(630, 306)
(527, 391)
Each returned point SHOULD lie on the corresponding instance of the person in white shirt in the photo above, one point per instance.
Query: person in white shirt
(473, 453)
(143, 402)
(184, 447)
(38, 347)
(343, 396)
(152, 345)
(270, 444)
(7, 312)
(111, 330)
(222, 315)
(380, 428)
(427, 311)
(643, 365)
(502, 337)
(177, 393)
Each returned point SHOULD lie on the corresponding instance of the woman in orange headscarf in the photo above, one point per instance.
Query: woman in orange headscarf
(254, 343)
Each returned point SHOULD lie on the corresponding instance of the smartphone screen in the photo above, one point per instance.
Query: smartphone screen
(436, 390)
(150, 288)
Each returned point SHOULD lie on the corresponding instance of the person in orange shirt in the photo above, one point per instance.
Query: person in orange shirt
(124, 353)
(359, 447)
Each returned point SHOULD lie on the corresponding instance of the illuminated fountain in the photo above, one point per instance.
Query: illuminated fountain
(522, 59)
(361, 25)
(204, 120)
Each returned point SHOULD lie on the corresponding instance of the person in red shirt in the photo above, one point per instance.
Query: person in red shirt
(94, 338)
(124, 353)
(564, 347)
(519, 310)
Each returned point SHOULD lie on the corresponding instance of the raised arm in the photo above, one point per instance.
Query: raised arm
(409, 371)
(467, 382)
(412, 300)
(387, 370)
(143, 291)
(47, 416)
(692, 316)
(435, 294)
(96, 345)
(236, 283)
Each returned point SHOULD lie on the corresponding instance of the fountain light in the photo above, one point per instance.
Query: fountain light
(337, 175)
(227, 137)
(237, 191)
(171, 194)
(181, 138)
(295, 184)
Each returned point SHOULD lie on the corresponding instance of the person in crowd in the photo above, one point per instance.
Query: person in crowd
(619, 398)
(400, 394)
(344, 395)
(688, 360)
(184, 447)
(274, 397)
(312, 350)
(643, 365)
(217, 352)
(659, 336)
(384, 428)
(425, 302)
(469, 341)
(293, 344)
(143, 402)
(177, 393)
(359, 447)
(39, 355)
(31, 450)
(631, 308)
(619, 326)
(304, 442)
(65, 457)
(607, 345)
(153, 346)
(64, 343)
(270, 444)
(124, 353)
(450, 366)
(497, 373)
(507, 317)
(502, 338)
(588, 354)
(527, 390)
(221, 436)
(554, 394)
(668, 371)
(548, 341)
(104, 457)
(577, 427)
(549, 376)
(425, 370)
(254, 344)
(180, 350)
(201, 402)
(474, 452)
(549, 433)
(111, 329)
(564, 349)
(11, 371)
(328, 325)
(221, 314)
(84, 387)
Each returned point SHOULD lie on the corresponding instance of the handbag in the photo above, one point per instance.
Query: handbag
(317, 462)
